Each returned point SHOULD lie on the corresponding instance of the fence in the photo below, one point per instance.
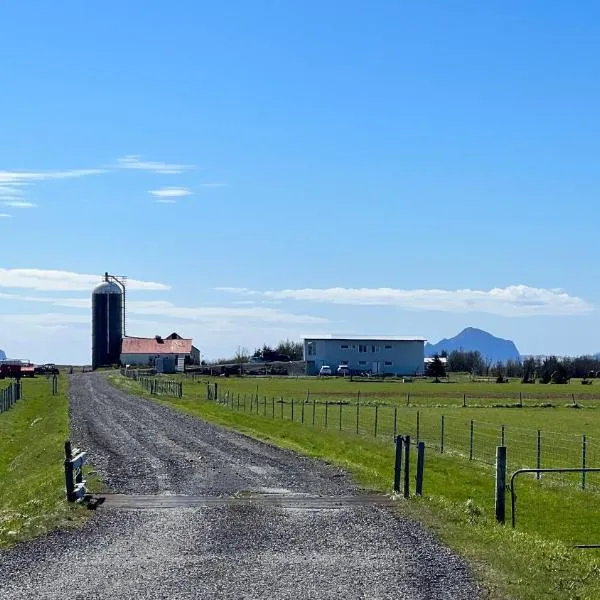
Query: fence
(470, 439)
(74, 482)
(9, 396)
(155, 385)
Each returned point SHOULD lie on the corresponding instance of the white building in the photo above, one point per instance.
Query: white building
(396, 355)
(145, 351)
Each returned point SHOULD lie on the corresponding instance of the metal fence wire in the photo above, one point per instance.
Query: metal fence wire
(9, 395)
(470, 439)
(155, 385)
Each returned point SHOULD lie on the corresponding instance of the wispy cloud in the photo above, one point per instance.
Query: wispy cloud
(8, 192)
(19, 204)
(51, 280)
(513, 301)
(5, 216)
(18, 177)
(171, 192)
(166, 201)
(134, 161)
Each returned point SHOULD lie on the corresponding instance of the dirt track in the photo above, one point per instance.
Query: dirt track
(220, 549)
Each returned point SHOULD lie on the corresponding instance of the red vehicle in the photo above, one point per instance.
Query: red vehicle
(16, 369)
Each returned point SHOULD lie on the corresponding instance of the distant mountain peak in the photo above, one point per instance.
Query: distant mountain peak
(471, 339)
(2, 355)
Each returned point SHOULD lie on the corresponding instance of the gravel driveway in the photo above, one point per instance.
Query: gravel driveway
(221, 549)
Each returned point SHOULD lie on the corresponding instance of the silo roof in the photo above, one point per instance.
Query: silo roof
(108, 287)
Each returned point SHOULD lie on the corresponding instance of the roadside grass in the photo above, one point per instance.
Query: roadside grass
(534, 561)
(32, 487)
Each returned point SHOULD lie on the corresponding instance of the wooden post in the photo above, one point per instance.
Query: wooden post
(583, 460)
(418, 426)
(398, 463)
(395, 421)
(357, 414)
(538, 461)
(302, 413)
(326, 411)
(376, 415)
(341, 406)
(464, 399)
(69, 483)
(500, 503)
(314, 410)
(502, 435)
(408, 399)
(282, 407)
(292, 409)
(420, 466)
(407, 466)
(471, 440)
(273, 403)
(442, 436)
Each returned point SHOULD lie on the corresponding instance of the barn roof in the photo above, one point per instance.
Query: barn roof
(155, 345)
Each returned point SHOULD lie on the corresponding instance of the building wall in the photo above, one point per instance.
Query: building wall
(145, 359)
(400, 357)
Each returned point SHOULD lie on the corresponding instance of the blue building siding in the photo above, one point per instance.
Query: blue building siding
(379, 356)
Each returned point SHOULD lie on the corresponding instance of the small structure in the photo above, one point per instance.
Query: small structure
(167, 354)
(378, 355)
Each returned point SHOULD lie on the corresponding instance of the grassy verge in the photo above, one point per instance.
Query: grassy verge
(529, 563)
(32, 488)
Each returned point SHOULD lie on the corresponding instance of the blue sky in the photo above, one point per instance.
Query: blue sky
(264, 170)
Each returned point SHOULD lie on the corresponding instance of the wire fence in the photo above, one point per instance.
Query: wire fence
(9, 395)
(155, 385)
(470, 439)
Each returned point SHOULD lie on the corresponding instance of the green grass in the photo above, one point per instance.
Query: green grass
(32, 487)
(534, 561)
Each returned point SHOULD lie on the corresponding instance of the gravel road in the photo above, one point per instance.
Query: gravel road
(220, 550)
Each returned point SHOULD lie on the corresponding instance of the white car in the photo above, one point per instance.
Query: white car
(325, 370)
(343, 370)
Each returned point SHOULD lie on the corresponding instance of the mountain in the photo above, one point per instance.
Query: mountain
(2, 355)
(471, 339)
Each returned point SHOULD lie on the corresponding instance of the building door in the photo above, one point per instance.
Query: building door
(376, 366)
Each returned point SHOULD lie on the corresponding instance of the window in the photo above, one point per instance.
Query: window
(362, 362)
(312, 348)
(374, 348)
(362, 347)
(388, 363)
(343, 363)
(388, 346)
(344, 346)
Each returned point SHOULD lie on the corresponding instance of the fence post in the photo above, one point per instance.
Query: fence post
(408, 399)
(341, 405)
(471, 440)
(418, 425)
(282, 408)
(464, 400)
(69, 484)
(420, 466)
(407, 466)
(442, 437)
(376, 419)
(265, 407)
(500, 503)
(521, 399)
(583, 460)
(502, 436)
(538, 461)
(395, 421)
(302, 413)
(292, 409)
(326, 411)
(314, 410)
(273, 403)
(357, 413)
(398, 463)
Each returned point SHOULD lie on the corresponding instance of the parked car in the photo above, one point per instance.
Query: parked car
(343, 370)
(325, 370)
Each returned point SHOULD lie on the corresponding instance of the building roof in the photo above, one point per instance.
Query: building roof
(383, 338)
(155, 345)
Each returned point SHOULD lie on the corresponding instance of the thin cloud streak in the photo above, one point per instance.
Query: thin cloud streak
(53, 280)
(19, 204)
(18, 177)
(166, 201)
(171, 192)
(511, 301)
(5, 216)
(135, 161)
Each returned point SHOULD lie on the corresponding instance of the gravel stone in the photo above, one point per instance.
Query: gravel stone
(222, 550)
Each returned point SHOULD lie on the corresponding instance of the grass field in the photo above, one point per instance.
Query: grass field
(32, 488)
(535, 560)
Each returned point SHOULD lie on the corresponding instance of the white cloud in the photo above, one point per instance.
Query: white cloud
(513, 301)
(19, 204)
(51, 280)
(5, 216)
(134, 161)
(8, 192)
(171, 192)
(166, 201)
(19, 177)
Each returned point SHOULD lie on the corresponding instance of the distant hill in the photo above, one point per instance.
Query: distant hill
(2, 355)
(471, 339)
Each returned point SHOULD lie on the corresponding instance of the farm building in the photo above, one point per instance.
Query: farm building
(171, 350)
(395, 355)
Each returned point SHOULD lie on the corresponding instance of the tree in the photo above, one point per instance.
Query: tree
(436, 368)
(242, 355)
(294, 350)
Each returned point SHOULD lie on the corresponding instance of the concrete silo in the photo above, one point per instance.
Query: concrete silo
(107, 322)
